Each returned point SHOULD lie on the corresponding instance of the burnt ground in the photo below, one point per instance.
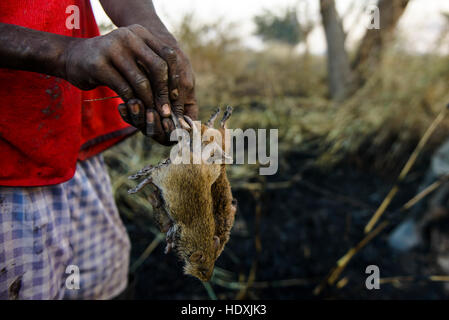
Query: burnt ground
(304, 229)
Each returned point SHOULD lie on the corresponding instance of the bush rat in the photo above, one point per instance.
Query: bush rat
(193, 203)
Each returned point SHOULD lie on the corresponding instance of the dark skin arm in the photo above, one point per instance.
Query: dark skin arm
(181, 79)
(31, 50)
(121, 60)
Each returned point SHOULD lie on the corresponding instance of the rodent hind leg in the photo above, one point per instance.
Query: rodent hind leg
(171, 237)
(227, 114)
(163, 221)
(154, 199)
(140, 186)
(160, 215)
(210, 122)
(142, 172)
(148, 170)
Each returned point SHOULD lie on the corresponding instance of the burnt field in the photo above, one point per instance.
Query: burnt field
(339, 156)
(288, 237)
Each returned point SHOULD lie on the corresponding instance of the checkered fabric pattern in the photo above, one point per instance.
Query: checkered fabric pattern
(45, 231)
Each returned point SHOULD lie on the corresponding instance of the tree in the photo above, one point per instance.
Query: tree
(284, 28)
(339, 70)
(374, 41)
(344, 77)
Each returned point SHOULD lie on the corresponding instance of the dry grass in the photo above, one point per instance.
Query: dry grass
(384, 120)
(378, 127)
(277, 88)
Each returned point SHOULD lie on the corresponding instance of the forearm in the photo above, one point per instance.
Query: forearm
(31, 50)
(125, 13)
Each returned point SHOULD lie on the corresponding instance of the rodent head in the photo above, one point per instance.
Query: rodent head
(200, 263)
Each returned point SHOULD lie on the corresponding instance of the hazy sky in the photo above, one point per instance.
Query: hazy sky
(421, 22)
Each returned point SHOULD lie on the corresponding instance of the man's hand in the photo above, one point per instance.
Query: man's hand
(149, 122)
(145, 66)
(181, 79)
(123, 61)
(182, 87)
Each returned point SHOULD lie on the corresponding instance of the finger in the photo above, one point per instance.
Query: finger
(112, 79)
(150, 127)
(153, 124)
(163, 50)
(184, 125)
(179, 94)
(191, 109)
(169, 55)
(158, 75)
(183, 96)
(177, 102)
(157, 71)
(122, 109)
(174, 87)
(136, 78)
(168, 125)
(136, 111)
(159, 134)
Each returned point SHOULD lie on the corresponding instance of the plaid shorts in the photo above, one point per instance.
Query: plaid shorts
(64, 241)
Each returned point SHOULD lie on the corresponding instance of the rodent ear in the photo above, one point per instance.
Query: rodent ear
(197, 257)
(216, 242)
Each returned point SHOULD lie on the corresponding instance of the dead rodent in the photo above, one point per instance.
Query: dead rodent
(193, 203)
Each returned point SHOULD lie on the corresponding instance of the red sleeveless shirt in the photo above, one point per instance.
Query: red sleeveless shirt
(45, 124)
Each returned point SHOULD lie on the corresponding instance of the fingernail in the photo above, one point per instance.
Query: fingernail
(174, 94)
(166, 126)
(135, 108)
(150, 123)
(150, 128)
(184, 124)
(165, 110)
(150, 116)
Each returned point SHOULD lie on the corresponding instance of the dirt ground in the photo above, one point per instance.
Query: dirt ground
(304, 229)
